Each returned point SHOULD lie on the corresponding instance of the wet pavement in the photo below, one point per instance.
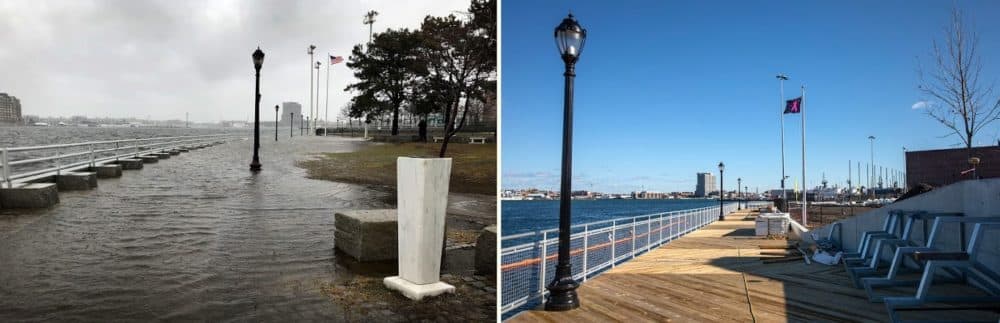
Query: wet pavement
(199, 237)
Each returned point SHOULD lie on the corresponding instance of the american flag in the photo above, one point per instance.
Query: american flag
(335, 59)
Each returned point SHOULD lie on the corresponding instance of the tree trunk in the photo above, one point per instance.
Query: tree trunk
(448, 123)
(395, 120)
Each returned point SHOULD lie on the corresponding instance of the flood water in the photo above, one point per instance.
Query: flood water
(194, 237)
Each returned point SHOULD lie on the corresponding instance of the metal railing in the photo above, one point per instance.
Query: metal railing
(75, 156)
(528, 260)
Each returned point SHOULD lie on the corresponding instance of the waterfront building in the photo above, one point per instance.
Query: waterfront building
(287, 108)
(706, 183)
(647, 195)
(10, 109)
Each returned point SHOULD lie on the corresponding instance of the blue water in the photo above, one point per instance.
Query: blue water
(526, 216)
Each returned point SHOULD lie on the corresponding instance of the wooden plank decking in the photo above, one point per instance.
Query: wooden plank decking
(716, 274)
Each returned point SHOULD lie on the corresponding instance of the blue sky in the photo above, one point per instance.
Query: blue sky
(668, 89)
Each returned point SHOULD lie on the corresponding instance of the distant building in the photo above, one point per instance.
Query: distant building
(945, 166)
(706, 182)
(10, 109)
(287, 108)
(776, 193)
(648, 195)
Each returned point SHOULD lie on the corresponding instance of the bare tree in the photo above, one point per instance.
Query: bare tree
(964, 105)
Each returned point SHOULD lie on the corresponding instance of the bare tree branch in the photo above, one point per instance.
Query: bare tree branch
(955, 84)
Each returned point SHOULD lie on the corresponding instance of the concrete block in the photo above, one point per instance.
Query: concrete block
(366, 235)
(29, 196)
(422, 199)
(149, 159)
(173, 152)
(130, 163)
(161, 155)
(75, 181)
(108, 170)
(486, 251)
(417, 291)
(182, 149)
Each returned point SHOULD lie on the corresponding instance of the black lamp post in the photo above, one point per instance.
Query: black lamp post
(739, 204)
(258, 60)
(570, 37)
(291, 124)
(722, 191)
(275, 122)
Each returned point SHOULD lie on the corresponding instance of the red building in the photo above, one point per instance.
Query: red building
(945, 166)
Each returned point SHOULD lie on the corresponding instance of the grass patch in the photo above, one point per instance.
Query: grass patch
(473, 169)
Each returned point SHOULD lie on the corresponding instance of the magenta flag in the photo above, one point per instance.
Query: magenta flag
(793, 105)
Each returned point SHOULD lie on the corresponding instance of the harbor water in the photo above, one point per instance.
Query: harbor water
(526, 216)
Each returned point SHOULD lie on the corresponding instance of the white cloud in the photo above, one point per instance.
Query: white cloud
(920, 105)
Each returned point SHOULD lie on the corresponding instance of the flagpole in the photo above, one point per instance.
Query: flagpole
(781, 117)
(805, 187)
(316, 116)
(311, 47)
(326, 116)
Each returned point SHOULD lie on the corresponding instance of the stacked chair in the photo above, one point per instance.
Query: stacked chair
(933, 262)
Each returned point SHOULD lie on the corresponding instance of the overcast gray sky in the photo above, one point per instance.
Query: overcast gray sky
(164, 58)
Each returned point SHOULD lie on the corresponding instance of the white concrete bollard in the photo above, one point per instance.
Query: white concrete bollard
(422, 190)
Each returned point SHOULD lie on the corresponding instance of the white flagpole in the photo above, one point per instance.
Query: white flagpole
(326, 116)
(311, 79)
(781, 116)
(805, 188)
(316, 115)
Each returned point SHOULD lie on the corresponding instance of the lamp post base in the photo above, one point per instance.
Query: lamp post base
(255, 167)
(562, 295)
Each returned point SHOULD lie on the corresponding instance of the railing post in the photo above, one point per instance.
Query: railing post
(58, 163)
(116, 151)
(541, 272)
(649, 233)
(661, 229)
(91, 155)
(136, 146)
(614, 234)
(6, 168)
(632, 233)
(586, 239)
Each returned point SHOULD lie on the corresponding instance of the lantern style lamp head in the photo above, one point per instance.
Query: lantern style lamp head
(570, 37)
(311, 48)
(258, 59)
(275, 108)
(722, 166)
(318, 64)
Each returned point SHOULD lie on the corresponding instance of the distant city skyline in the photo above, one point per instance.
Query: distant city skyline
(668, 90)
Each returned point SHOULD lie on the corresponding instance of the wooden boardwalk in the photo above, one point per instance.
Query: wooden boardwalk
(716, 274)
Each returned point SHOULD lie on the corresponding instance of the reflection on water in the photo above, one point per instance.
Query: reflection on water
(194, 237)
